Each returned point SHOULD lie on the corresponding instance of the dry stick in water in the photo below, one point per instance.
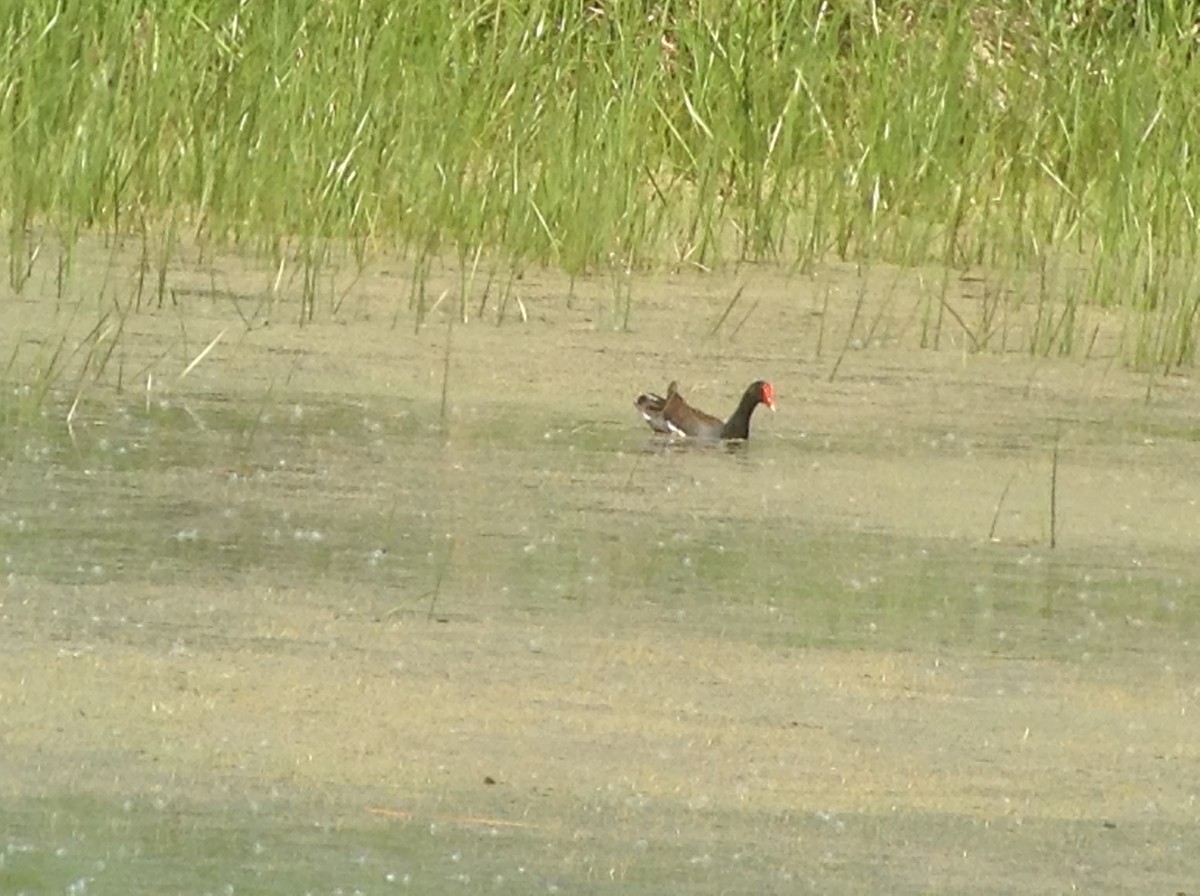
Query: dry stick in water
(975, 346)
(632, 470)
(742, 322)
(720, 320)
(79, 386)
(824, 317)
(446, 372)
(862, 297)
(999, 504)
(445, 565)
(1054, 491)
(468, 284)
(441, 574)
(203, 354)
(883, 307)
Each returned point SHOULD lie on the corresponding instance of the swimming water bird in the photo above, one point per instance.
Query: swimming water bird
(671, 414)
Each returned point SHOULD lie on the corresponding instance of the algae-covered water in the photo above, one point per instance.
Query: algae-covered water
(286, 623)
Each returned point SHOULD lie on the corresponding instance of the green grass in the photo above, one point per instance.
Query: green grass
(1030, 136)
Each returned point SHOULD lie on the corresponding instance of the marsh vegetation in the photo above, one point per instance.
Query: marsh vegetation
(1049, 143)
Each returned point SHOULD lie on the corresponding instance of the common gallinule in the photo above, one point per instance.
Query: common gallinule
(672, 415)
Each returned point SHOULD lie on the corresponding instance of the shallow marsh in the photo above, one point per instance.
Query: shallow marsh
(281, 624)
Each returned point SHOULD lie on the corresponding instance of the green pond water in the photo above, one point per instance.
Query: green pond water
(221, 529)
